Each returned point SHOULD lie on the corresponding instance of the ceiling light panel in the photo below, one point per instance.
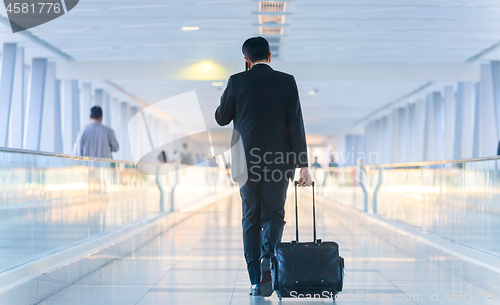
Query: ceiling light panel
(279, 19)
(271, 31)
(272, 7)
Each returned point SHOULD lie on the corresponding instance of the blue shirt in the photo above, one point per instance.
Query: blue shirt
(96, 141)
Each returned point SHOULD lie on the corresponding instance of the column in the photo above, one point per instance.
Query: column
(101, 98)
(48, 129)
(466, 99)
(342, 158)
(411, 142)
(374, 156)
(457, 145)
(85, 104)
(106, 110)
(433, 127)
(31, 139)
(70, 117)
(384, 153)
(437, 104)
(114, 115)
(17, 108)
(98, 97)
(402, 134)
(449, 122)
(6, 88)
(123, 138)
(476, 134)
(360, 149)
(421, 130)
(58, 119)
(133, 134)
(495, 72)
(27, 76)
(368, 138)
(391, 146)
(349, 151)
(488, 136)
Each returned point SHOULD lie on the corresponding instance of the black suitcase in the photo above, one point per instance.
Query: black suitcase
(307, 270)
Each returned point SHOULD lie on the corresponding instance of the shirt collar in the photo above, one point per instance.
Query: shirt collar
(262, 63)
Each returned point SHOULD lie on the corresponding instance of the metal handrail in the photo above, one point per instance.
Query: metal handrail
(79, 158)
(71, 157)
(420, 163)
(425, 163)
(415, 164)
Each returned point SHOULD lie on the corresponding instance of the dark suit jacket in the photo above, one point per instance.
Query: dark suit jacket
(265, 108)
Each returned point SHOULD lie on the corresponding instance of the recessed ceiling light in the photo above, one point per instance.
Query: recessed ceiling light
(190, 28)
(265, 19)
(271, 31)
(313, 92)
(272, 6)
(217, 84)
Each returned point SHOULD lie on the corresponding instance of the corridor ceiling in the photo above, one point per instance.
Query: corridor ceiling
(312, 31)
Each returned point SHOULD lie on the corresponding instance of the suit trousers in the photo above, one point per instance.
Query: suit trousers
(263, 220)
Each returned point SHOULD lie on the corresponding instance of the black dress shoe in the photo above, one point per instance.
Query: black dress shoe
(254, 290)
(266, 282)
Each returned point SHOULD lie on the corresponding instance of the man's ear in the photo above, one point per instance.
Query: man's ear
(270, 55)
(248, 61)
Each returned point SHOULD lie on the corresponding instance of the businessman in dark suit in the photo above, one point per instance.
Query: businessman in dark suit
(265, 109)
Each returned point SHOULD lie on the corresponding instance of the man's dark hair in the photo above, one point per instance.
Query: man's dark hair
(96, 112)
(256, 48)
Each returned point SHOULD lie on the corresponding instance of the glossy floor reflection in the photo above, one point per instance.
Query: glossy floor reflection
(200, 261)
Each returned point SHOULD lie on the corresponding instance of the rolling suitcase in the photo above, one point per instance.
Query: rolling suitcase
(307, 270)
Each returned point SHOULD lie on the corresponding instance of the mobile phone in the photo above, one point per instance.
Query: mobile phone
(246, 65)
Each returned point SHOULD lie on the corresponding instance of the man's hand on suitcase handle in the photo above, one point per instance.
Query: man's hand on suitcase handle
(305, 177)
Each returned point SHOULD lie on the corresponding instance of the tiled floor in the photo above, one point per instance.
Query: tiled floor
(201, 262)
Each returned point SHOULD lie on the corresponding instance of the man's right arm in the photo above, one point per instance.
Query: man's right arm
(225, 112)
(296, 127)
(298, 135)
(113, 143)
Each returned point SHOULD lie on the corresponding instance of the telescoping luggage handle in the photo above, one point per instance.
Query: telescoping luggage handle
(297, 215)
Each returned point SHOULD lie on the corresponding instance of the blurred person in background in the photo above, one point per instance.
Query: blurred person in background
(316, 163)
(186, 156)
(332, 162)
(96, 140)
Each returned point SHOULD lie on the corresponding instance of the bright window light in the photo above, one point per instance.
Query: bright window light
(190, 28)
